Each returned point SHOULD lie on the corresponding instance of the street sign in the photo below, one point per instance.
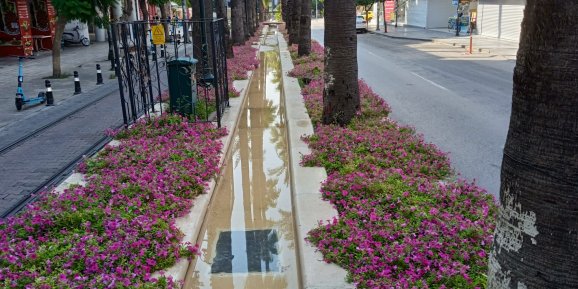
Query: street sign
(455, 2)
(158, 32)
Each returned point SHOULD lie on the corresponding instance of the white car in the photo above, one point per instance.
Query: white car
(360, 25)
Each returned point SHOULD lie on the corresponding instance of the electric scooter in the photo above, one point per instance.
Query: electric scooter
(21, 99)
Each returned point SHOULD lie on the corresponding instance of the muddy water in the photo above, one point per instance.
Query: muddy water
(248, 234)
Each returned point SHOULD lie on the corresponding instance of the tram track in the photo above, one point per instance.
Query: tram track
(57, 178)
(46, 174)
(35, 132)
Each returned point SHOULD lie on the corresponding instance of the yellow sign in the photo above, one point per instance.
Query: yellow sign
(158, 34)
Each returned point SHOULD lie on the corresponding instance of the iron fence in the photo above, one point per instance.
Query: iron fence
(142, 68)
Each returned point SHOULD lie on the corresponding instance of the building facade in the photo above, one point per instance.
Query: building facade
(25, 26)
(494, 18)
(501, 18)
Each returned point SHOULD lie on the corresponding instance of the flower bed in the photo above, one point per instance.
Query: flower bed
(245, 60)
(401, 222)
(120, 227)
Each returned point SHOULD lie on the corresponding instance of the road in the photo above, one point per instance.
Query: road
(459, 102)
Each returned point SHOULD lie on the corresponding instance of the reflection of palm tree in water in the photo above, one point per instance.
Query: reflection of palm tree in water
(261, 118)
(275, 68)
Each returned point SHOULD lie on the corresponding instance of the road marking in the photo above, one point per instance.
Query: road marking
(373, 54)
(431, 82)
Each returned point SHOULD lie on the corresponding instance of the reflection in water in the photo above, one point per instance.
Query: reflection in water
(258, 255)
(247, 238)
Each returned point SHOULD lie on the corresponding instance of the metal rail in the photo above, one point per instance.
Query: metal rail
(55, 179)
(48, 125)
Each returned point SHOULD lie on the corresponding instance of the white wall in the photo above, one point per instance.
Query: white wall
(72, 24)
(417, 13)
(438, 13)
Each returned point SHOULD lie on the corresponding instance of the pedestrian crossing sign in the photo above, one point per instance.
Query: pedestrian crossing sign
(158, 33)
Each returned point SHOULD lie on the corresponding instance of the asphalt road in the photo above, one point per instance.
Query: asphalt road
(459, 102)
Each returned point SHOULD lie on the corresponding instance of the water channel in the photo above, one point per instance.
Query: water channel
(247, 239)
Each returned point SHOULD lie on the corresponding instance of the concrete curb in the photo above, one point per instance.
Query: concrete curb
(308, 206)
(452, 43)
(401, 37)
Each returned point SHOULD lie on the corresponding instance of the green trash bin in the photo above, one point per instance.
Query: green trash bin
(182, 86)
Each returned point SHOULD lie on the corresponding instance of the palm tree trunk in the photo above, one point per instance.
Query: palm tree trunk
(164, 16)
(295, 19)
(144, 9)
(238, 26)
(253, 15)
(341, 92)
(221, 8)
(127, 10)
(287, 10)
(247, 27)
(248, 10)
(56, 45)
(284, 9)
(305, 29)
(535, 242)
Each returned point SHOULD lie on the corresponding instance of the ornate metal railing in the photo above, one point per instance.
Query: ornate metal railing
(142, 68)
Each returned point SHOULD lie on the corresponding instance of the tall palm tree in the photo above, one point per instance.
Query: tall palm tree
(144, 9)
(295, 18)
(238, 26)
(305, 28)
(341, 92)
(536, 238)
(287, 7)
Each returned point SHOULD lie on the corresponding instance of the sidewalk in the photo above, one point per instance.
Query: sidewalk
(481, 44)
(79, 58)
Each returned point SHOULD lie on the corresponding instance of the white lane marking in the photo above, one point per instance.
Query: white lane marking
(373, 54)
(431, 82)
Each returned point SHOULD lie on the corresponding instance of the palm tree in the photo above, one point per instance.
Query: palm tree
(535, 242)
(341, 92)
(238, 26)
(305, 28)
(144, 9)
(295, 17)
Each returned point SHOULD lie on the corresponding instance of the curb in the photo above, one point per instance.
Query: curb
(401, 37)
(455, 44)
(308, 206)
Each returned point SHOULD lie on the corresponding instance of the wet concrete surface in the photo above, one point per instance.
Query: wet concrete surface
(247, 239)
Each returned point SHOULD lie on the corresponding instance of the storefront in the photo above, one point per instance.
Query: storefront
(25, 26)
(429, 13)
(501, 18)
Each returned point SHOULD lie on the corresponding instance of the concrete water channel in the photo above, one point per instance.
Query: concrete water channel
(248, 236)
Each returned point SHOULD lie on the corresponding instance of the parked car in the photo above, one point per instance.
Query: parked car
(360, 24)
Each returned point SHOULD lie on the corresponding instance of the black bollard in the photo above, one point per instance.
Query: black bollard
(98, 75)
(77, 89)
(49, 96)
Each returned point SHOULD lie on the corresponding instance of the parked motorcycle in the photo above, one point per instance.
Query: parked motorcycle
(74, 37)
